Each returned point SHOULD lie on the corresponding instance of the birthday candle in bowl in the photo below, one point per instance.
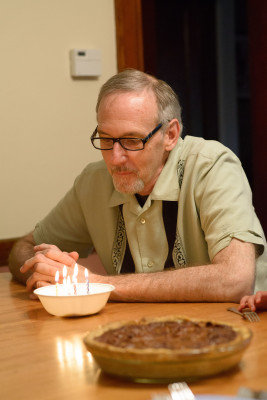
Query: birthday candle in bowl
(86, 280)
(56, 280)
(75, 270)
(74, 279)
(68, 286)
(64, 276)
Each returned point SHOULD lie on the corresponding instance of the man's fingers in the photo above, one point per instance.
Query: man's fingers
(243, 303)
(37, 279)
(38, 261)
(60, 256)
(53, 252)
(37, 285)
(40, 284)
(51, 257)
(45, 246)
(33, 296)
(251, 303)
(74, 255)
(247, 302)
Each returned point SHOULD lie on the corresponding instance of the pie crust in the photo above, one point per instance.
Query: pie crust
(189, 362)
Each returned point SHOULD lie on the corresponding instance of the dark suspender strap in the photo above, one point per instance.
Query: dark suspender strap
(128, 266)
(169, 212)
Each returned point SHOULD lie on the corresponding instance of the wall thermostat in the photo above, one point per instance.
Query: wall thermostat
(85, 62)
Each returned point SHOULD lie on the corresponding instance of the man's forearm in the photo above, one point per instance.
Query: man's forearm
(22, 251)
(192, 284)
(227, 279)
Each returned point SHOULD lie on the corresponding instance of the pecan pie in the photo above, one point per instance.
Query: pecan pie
(167, 348)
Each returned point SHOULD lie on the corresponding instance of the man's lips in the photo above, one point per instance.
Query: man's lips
(122, 171)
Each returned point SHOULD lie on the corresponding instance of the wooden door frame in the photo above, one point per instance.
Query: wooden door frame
(129, 34)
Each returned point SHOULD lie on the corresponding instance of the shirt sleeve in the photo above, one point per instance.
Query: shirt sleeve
(224, 202)
(65, 225)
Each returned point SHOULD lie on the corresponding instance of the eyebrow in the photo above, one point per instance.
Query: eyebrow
(125, 135)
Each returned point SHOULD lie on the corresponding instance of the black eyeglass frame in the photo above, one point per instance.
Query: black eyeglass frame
(144, 140)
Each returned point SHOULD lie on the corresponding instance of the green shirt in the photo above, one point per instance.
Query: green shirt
(214, 206)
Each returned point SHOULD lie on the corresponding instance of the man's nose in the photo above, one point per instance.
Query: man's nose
(119, 154)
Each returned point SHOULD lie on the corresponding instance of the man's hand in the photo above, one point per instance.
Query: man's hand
(255, 302)
(43, 265)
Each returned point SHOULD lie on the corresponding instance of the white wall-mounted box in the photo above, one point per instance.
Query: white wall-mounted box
(85, 62)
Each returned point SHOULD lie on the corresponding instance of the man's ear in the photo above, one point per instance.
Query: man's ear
(172, 134)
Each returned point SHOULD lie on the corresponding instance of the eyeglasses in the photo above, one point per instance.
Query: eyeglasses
(131, 144)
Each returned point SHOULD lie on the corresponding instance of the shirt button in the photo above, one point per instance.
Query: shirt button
(143, 221)
(150, 264)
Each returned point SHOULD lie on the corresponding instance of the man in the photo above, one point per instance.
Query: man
(170, 219)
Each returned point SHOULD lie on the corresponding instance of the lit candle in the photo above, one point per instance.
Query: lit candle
(75, 286)
(74, 279)
(64, 276)
(86, 280)
(68, 286)
(56, 280)
(75, 270)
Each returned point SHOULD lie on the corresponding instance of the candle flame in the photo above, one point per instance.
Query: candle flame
(64, 271)
(86, 273)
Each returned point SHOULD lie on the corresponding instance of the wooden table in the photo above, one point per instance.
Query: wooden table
(43, 357)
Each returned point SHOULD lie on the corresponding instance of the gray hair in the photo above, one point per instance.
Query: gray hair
(132, 80)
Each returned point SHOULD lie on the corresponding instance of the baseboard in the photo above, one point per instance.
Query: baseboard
(5, 247)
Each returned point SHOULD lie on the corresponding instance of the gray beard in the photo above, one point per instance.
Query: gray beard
(123, 185)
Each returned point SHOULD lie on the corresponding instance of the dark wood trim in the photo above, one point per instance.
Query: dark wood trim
(129, 34)
(5, 247)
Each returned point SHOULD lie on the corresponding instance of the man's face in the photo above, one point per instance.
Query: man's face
(132, 115)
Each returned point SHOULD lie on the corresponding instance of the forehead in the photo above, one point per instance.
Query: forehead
(136, 108)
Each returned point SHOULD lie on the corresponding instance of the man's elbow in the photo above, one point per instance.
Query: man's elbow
(241, 287)
(21, 251)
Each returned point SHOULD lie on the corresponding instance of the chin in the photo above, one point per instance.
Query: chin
(128, 187)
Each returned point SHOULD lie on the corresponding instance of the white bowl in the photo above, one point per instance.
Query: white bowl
(56, 300)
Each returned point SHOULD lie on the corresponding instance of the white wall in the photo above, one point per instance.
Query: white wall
(46, 117)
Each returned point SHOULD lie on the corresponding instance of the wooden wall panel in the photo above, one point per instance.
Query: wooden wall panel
(5, 247)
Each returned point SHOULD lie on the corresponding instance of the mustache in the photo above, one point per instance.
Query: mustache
(123, 169)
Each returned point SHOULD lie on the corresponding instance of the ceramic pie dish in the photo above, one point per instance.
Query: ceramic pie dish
(200, 348)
